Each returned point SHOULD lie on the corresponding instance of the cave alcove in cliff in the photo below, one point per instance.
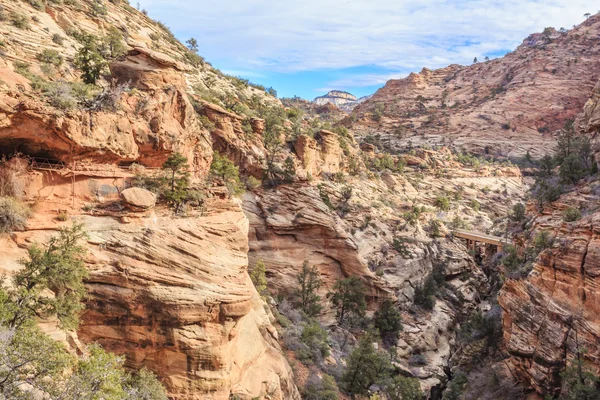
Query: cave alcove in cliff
(11, 147)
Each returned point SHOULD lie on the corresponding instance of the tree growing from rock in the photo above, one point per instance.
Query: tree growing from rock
(258, 275)
(112, 43)
(518, 212)
(348, 295)
(89, 60)
(57, 268)
(310, 282)
(192, 44)
(388, 322)
(176, 164)
(366, 366)
(224, 169)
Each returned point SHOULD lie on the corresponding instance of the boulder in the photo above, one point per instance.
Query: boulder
(138, 199)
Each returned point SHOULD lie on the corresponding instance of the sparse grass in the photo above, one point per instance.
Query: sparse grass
(13, 214)
(62, 216)
(37, 4)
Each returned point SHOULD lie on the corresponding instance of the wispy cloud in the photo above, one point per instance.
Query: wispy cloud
(395, 35)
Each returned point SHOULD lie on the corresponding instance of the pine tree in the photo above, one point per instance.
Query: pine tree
(224, 169)
(50, 285)
(178, 180)
(192, 44)
(89, 60)
(388, 322)
(289, 170)
(348, 295)
(113, 43)
(56, 268)
(366, 366)
(309, 281)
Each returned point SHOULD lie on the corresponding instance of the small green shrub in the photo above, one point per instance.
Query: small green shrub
(475, 205)
(20, 21)
(259, 278)
(13, 214)
(435, 228)
(51, 57)
(425, 293)
(62, 216)
(400, 245)
(571, 214)
(58, 39)
(37, 4)
(323, 388)
(222, 167)
(388, 322)
(442, 202)
(315, 338)
(542, 240)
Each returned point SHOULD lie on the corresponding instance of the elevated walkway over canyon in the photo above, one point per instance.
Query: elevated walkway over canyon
(493, 244)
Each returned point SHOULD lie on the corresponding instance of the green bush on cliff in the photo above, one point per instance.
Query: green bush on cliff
(388, 322)
(571, 214)
(518, 212)
(258, 277)
(223, 168)
(89, 59)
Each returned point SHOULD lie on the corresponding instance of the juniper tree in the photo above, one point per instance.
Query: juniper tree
(310, 282)
(89, 59)
(348, 295)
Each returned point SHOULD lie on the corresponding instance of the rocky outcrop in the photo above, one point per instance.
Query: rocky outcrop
(175, 296)
(504, 107)
(245, 149)
(138, 198)
(152, 123)
(172, 295)
(322, 154)
(554, 312)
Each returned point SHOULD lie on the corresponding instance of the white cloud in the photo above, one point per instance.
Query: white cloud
(398, 35)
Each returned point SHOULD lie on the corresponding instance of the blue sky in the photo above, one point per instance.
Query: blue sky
(308, 47)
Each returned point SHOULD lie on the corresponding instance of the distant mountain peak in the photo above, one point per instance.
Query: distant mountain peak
(341, 99)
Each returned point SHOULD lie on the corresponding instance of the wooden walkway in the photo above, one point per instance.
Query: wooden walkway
(477, 237)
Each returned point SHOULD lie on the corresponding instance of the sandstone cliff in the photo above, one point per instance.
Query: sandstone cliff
(169, 293)
(505, 107)
(553, 314)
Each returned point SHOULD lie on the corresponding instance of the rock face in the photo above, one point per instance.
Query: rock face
(153, 122)
(343, 100)
(169, 293)
(290, 225)
(246, 149)
(175, 296)
(172, 295)
(555, 311)
(505, 107)
(322, 154)
(138, 198)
